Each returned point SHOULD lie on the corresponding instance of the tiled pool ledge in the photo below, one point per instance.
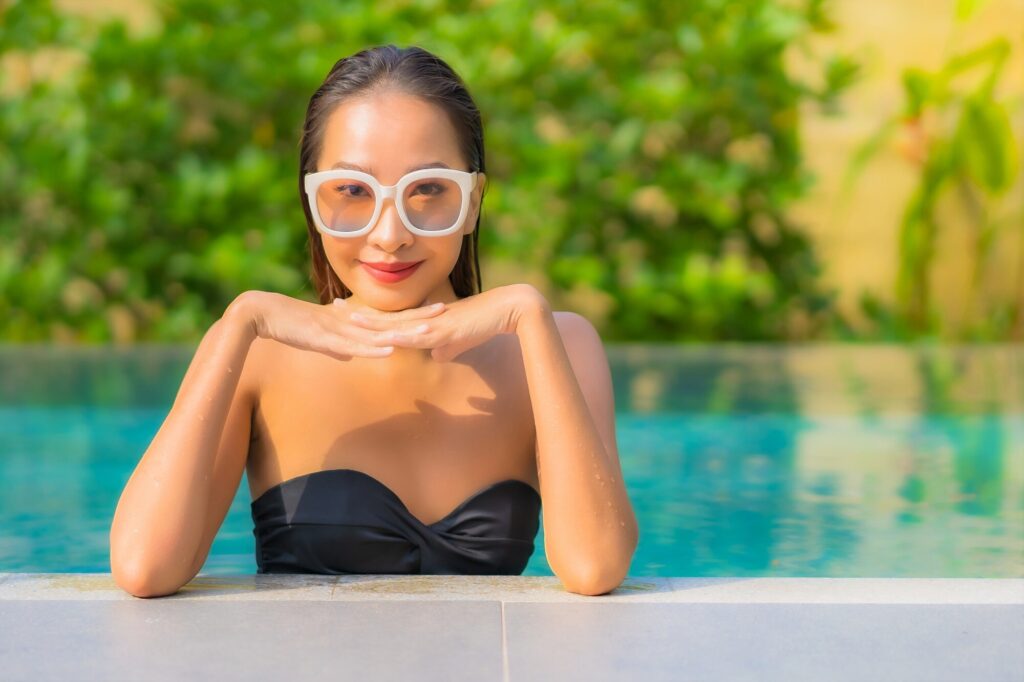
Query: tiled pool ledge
(251, 587)
(273, 627)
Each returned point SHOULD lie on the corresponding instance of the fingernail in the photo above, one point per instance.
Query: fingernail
(420, 329)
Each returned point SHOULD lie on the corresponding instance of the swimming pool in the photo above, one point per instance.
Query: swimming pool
(741, 460)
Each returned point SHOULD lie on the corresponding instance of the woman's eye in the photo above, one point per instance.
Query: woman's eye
(351, 190)
(429, 189)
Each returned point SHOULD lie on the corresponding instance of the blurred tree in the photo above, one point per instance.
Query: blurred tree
(643, 153)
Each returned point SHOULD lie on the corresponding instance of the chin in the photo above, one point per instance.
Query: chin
(394, 303)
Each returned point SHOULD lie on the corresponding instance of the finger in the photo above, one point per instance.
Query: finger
(414, 326)
(373, 337)
(408, 314)
(416, 337)
(354, 334)
(347, 347)
(431, 309)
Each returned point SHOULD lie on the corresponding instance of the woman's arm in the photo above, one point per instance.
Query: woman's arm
(178, 495)
(164, 509)
(590, 530)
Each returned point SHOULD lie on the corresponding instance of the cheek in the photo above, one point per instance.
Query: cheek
(452, 253)
(340, 254)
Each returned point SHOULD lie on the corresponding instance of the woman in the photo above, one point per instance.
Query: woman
(409, 423)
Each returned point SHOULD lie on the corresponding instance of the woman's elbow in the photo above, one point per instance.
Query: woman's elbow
(593, 580)
(139, 582)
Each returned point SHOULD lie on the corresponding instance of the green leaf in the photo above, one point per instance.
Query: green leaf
(841, 72)
(918, 88)
(984, 144)
(965, 9)
(868, 150)
(994, 53)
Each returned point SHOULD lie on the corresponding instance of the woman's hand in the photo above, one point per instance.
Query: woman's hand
(464, 324)
(323, 328)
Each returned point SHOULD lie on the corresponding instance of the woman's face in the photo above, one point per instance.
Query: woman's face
(387, 134)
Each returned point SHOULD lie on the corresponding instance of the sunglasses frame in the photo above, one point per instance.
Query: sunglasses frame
(466, 181)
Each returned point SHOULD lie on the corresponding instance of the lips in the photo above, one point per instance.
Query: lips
(390, 276)
(392, 267)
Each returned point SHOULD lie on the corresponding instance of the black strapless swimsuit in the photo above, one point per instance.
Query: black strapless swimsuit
(346, 521)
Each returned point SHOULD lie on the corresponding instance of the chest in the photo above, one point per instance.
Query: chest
(433, 437)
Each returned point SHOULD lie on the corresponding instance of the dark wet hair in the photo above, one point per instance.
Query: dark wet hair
(415, 71)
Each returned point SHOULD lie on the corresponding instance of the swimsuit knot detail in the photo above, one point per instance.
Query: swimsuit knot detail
(345, 521)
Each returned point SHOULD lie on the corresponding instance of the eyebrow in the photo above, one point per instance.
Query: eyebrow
(354, 166)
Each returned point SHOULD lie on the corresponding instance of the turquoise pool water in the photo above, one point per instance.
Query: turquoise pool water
(823, 460)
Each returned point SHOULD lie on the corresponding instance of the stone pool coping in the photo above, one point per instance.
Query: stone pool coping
(274, 587)
(425, 627)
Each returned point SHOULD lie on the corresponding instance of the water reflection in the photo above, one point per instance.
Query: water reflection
(825, 460)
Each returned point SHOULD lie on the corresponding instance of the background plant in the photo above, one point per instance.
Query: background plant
(643, 156)
(956, 132)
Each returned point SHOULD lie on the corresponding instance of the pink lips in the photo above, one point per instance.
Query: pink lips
(390, 277)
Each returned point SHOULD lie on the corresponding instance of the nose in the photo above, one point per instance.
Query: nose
(390, 233)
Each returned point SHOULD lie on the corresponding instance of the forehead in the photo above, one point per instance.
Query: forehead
(389, 133)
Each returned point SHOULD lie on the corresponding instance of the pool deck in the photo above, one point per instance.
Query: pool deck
(81, 626)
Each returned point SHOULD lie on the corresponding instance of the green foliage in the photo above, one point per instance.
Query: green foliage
(645, 152)
(963, 147)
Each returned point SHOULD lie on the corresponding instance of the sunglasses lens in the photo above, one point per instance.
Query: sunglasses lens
(432, 203)
(345, 204)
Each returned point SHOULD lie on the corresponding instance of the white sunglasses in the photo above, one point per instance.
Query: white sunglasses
(431, 202)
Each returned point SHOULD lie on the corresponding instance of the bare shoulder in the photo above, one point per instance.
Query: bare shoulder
(578, 333)
(571, 321)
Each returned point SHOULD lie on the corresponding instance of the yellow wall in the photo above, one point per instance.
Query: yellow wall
(857, 238)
